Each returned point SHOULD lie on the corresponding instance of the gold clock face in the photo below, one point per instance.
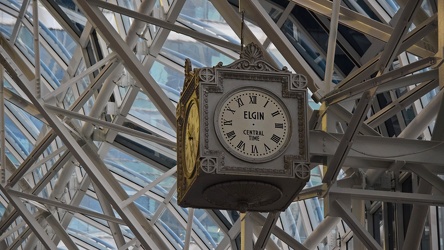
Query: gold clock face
(191, 138)
(253, 124)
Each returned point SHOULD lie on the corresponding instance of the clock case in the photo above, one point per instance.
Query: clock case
(223, 181)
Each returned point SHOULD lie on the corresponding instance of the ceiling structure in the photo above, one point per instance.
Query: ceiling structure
(87, 143)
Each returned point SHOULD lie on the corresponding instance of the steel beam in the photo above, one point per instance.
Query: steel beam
(93, 165)
(358, 22)
(189, 228)
(233, 19)
(358, 230)
(32, 158)
(22, 103)
(418, 217)
(60, 231)
(281, 234)
(401, 103)
(333, 34)
(141, 74)
(111, 58)
(166, 25)
(266, 230)
(386, 196)
(379, 149)
(113, 126)
(347, 140)
(38, 230)
(386, 81)
(256, 12)
(321, 231)
(428, 176)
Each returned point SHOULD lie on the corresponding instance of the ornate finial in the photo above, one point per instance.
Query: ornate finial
(188, 66)
(252, 52)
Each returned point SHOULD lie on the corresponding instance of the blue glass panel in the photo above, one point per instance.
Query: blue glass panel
(145, 110)
(146, 205)
(16, 138)
(89, 202)
(201, 10)
(293, 222)
(171, 79)
(171, 227)
(315, 211)
(179, 47)
(203, 225)
(7, 23)
(2, 210)
(51, 71)
(91, 235)
(32, 124)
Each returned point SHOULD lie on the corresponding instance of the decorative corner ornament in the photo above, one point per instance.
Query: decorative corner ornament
(253, 135)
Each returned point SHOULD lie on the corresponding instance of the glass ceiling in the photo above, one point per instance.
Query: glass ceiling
(89, 144)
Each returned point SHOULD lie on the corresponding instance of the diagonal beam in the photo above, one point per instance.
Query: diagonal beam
(95, 167)
(166, 25)
(38, 230)
(267, 228)
(256, 12)
(32, 158)
(382, 80)
(358, 230)
(428, 176)
(233, 19)
(65, 206)
(60, 231)
(387, 56)
(22, 103)
(281, 234)
(347, 140)
(140, 73)
(401, 103)
(358, 22)
(62, 88)
(401, 28)
(112, 126)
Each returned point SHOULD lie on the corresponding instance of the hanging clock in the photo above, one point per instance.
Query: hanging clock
(242, 136)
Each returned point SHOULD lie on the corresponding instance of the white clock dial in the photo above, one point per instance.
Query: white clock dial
(253, 124)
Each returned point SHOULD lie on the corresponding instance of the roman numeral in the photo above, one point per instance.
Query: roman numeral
(266, 103)
(254, 149)
(230, 122)
(232, 111)
(275, 138)
(231, 135)
(279, 125)
(241, 145)
(266, 148)
(253, 99)
(240, 103)
(275, 113)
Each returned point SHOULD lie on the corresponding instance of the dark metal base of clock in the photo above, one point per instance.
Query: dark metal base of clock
(239, 192)
(243, 195)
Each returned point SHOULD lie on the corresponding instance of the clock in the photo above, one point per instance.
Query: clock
(253, 124)
(191, 137)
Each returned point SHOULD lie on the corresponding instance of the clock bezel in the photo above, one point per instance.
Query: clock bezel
(191, 102)
(229, 148)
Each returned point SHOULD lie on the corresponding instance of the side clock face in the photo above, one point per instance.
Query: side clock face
(191, 138)
(253, 124)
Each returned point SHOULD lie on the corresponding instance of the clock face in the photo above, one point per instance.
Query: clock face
(253, 124)
(191, 138)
